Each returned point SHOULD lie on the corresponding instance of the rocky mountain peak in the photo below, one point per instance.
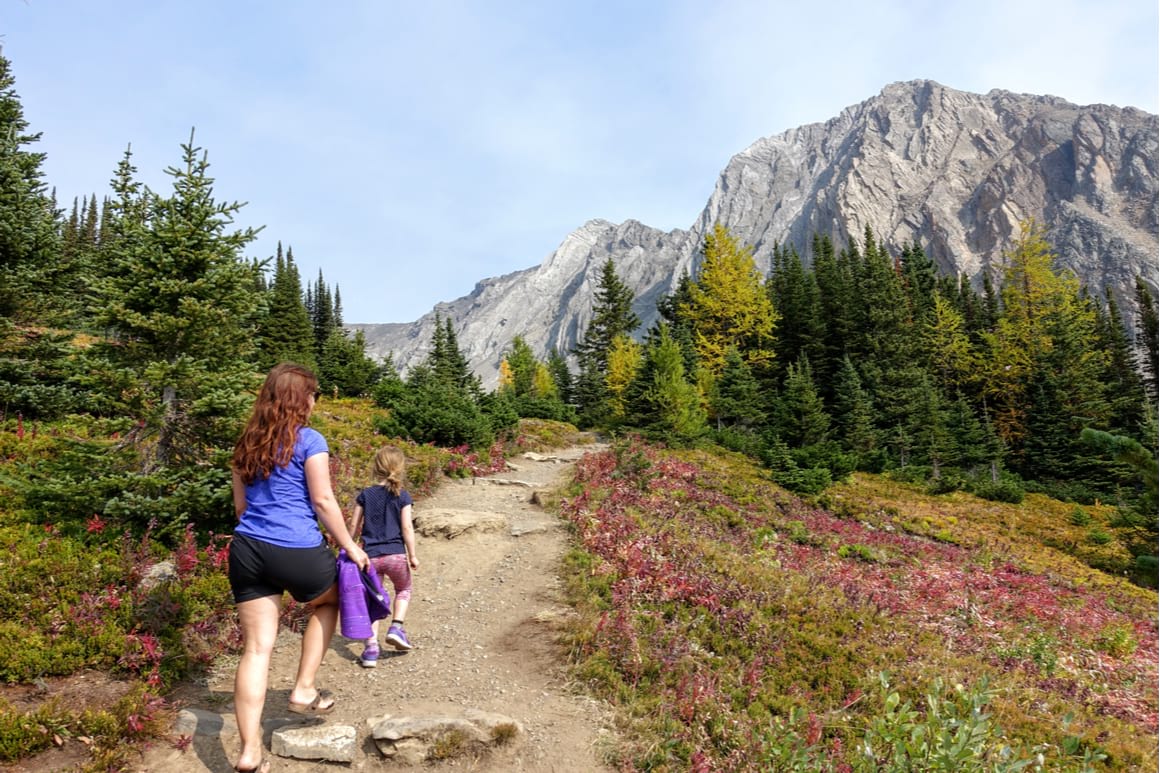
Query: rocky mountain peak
(954, 171)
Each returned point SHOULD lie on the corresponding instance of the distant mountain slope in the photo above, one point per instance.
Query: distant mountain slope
(956, 172)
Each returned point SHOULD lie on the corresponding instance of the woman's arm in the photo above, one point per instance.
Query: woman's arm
(409, 536)
(326, 506)
(239, 495)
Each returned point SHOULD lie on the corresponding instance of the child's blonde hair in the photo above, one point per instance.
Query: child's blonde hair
(390, 468)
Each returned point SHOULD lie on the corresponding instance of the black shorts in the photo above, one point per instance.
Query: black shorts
(259, 569)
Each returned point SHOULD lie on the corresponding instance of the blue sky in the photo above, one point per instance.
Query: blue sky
(408, 150)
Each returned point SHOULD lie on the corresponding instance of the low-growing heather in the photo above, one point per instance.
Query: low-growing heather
(730, 621)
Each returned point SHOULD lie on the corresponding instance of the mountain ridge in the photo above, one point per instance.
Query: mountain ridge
(954, 171)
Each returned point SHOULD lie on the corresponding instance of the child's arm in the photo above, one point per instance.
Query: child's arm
(409, 536)
(356, 521)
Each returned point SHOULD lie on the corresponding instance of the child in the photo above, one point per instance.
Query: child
(383, 513)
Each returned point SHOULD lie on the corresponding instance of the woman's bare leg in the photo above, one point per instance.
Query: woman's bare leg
(315, 641)
(258, 619)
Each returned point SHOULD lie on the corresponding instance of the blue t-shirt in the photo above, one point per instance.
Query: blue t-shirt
(382, 530)
(278, 509)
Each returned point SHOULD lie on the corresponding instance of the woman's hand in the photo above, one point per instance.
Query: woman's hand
(359, 556)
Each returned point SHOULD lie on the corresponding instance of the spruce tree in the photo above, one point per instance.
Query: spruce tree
(796, 299)
(933, 441)
(345, 370)
(921, 279)
(29, 238)
(1148, 335)
(663, 401)
(612, 315)
(286, 333)
(322, 313)
(853, 412)
(836, 298)
(736, 401)
(561, 376)
(801, 418)
(179, 306)
(1125, 389)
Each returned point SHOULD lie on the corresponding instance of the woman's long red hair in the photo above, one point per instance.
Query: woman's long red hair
(283, 405)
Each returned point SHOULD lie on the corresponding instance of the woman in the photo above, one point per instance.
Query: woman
(281, 485)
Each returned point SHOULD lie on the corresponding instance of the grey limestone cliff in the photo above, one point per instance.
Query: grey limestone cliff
(953, 171)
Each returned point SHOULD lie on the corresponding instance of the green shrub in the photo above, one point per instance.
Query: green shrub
(1079, 517)
(739, 440)
(1002, 491)
(1119, 641)
(911, 473)
(1098, 536)
(952, 732)
(860, 552)
(23, 734)
(944, 484)
(439, 415)
(828, 456)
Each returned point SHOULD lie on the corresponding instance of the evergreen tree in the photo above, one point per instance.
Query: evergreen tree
(344, 369)
(1148, 335)
(322, 313)
(448, 364)
(835, 280)
(680, 329)
(612, 315)
(1066, 393)
(885, 341)
(286, 333)
(796, 301)
(90, 226)
(853, 412)
(29, 244)
(921, 281)
(179, 306)
(103, 233)
(801, 418)
(736, 400)
(70, 235)
(929, 429)
(663, 401)
(561, 376)
(520, 368)
(1125, 389)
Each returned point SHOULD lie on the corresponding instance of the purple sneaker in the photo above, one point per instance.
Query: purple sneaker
(397, 637)
(370, 655)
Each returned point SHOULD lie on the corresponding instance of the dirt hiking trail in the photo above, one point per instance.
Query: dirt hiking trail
(485, 612)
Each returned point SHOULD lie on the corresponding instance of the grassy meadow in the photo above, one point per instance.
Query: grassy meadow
(737, 627)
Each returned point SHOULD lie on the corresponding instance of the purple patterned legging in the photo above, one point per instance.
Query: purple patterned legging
(395, 567)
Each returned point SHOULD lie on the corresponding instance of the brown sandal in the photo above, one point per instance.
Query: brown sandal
(315, 706)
